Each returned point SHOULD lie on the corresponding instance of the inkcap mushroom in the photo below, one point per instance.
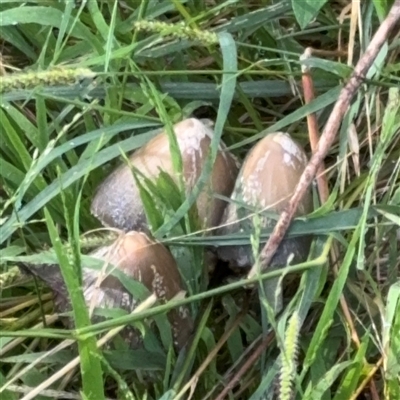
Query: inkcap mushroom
(265, 184)
(117, 202)
(141, 259)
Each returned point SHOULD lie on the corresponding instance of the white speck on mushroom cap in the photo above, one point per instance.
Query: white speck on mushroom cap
(252, 189)
(183, 312)
(289, 147)
(190, 134)
(288, 160)
(261, 162)
(126, 300)
(252, 186)
(158, 284)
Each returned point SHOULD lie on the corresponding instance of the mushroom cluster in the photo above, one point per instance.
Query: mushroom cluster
(117, 204)
(266, 180)
(117, 201)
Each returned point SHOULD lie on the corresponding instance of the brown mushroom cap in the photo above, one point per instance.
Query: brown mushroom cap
(139, 258)
(266, 182)
(117, 201)
(151, 264)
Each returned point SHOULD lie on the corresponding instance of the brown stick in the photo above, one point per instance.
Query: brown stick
(368, 378)
(329, 134)
(247, 365)
(313, 130)
(323, 189)
(191, 384)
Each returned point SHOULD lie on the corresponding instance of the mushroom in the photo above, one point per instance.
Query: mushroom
(117, 202)
(266, 182)
(141, 259)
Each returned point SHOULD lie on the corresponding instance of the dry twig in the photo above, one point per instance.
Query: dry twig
(329, 134)
(323, 189)
(247, 365)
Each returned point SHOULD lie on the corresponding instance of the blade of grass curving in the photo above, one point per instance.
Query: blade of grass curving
(382, 8)
(177, 90)
(326, 381)
(354, 374)
(341, 70)
(164, 187)
(228, 49)
(176, 157)
(203, 295)
(326, 319)
(24, 124)
(92, 380)
(323, 225)
(48, 16)
(255, 18)
(42, 126)
(311, 281)
(319, 103)
(100, 327)
(61, 357)
(391, 342)
(11, 35)
(183, 11)
(111, 42)
(123, 388)
(390, 213)
(249, 20)
(13, 143)
(267, 383)
(390, 314)
(50, 153)
(98, 19)
(7, 394)
(120, 53)
(69, 6)
(186, 367)
(210, 11)
(387, 135)
(153, 215)
(71, 176)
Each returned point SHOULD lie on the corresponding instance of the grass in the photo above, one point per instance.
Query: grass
(84, 83)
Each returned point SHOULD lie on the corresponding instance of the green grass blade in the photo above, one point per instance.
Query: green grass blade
(92, 380)
(228, 49)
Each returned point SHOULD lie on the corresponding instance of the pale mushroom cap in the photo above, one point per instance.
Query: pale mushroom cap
(266, 182)
(271, 172)
(148, 262)
(117, 201)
